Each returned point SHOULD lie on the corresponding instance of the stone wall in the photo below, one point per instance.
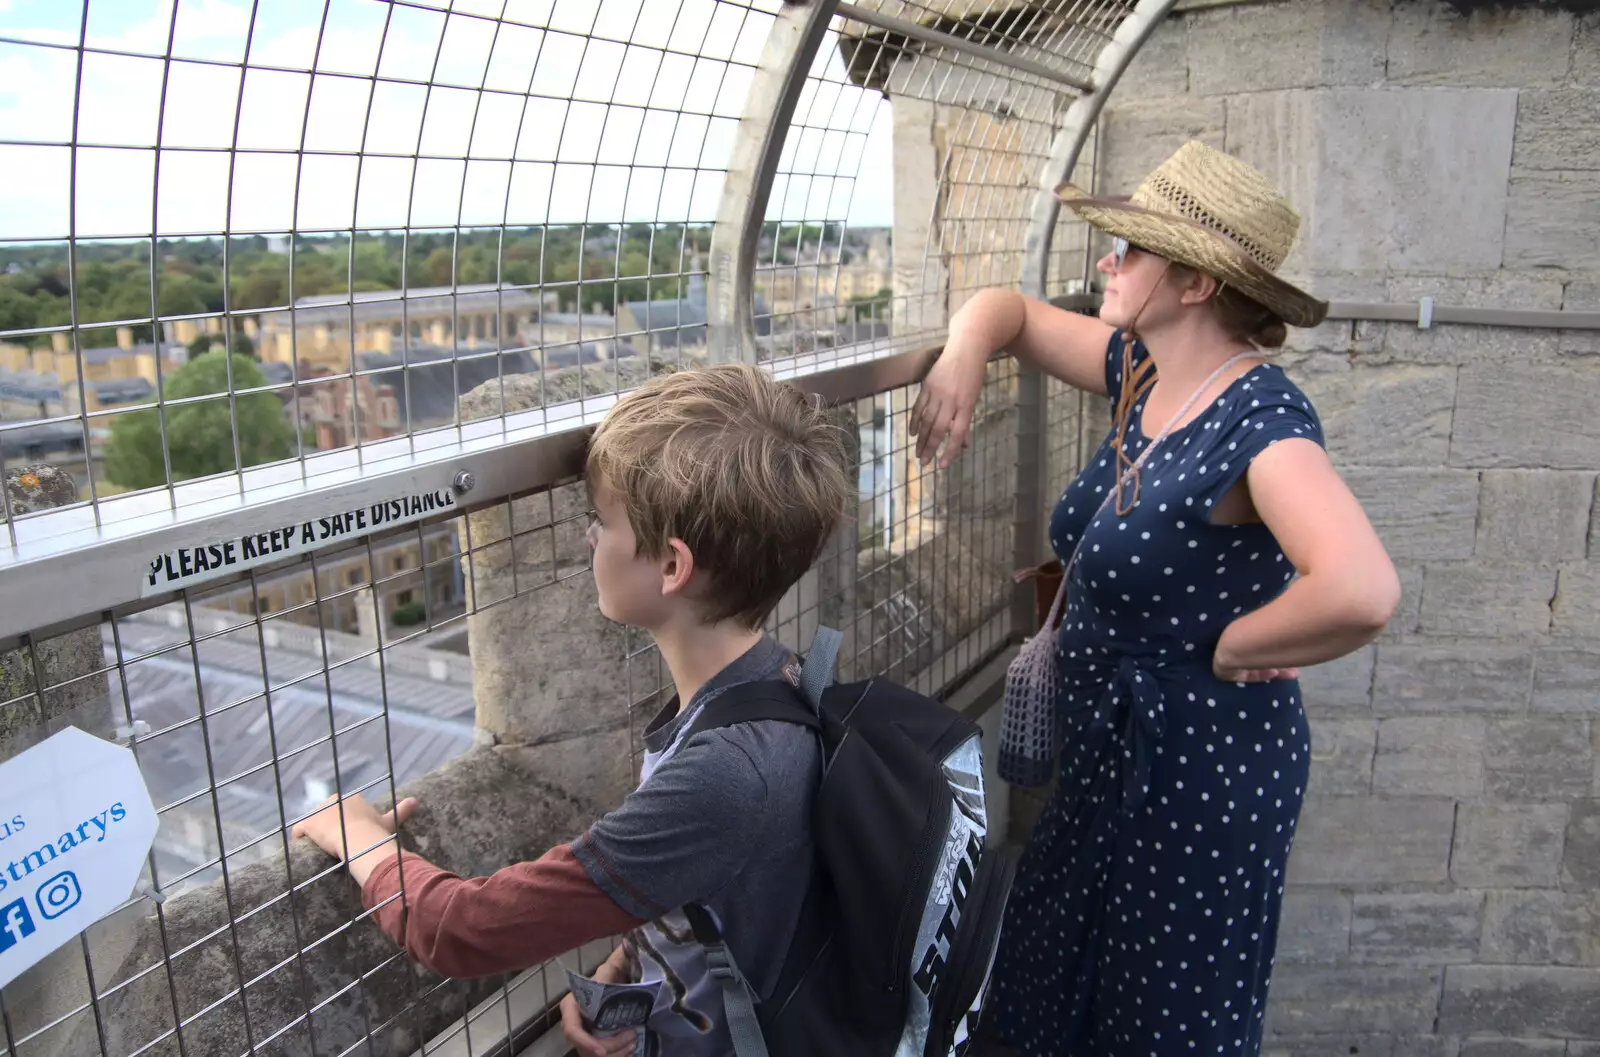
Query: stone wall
(1445, 886)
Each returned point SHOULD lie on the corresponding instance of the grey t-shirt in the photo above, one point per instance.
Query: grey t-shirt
(722, 819)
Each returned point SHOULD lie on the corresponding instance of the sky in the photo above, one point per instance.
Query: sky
(597, 110)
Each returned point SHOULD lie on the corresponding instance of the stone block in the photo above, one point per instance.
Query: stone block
(1551, 221)
(1456, 343)
(1494, 600)
(1377, 173)
(1496, 1047)
(1433, 43)
(1391, 414)
(1160, 68)
(1335, 339)
(1424, 928)
(522, 697)
(1575, 613)
(1429, 515)
(1430, 756)
(1580, 862)
(1538, 758)
(1314, 925)
(1582, 297)
(1340, 685)
(1366, 1045)
(1499, 416)
(1324, 1000)
(1509, 845)
(1136, 137)
(1334, 43)
(1534, 515)
(1540, 928)
(1586, 50)
(1451, 677)
(1407, 617)
(1341, 757)
(1365, 840)
(1558, 129)
(1520, 1000)
(1566, 680)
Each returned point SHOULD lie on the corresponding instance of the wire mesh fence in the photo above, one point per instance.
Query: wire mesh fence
(375, 206)
(250, 243)
(367, 669)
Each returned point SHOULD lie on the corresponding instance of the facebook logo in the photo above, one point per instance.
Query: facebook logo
(15, 924)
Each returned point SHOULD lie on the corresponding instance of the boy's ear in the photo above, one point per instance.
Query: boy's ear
(677, 566)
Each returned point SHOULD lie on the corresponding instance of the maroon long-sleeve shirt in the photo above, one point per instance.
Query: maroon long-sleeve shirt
(511, 920)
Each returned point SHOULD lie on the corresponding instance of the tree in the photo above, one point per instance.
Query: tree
(200, 435)
(240, 344)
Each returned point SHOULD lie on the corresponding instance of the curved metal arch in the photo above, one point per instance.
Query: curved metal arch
(791, 45)
(1033, 441)
(1080, 120)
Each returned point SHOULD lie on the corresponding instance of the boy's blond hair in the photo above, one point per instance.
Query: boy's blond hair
(743, 469)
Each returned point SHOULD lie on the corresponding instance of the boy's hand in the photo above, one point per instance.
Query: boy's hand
(355, 824)
(578, 1036)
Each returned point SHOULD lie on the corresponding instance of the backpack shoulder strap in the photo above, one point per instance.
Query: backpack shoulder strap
(821, 665)
(738, 998)
(747, 702)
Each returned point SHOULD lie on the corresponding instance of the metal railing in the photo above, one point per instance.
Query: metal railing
(454, 651)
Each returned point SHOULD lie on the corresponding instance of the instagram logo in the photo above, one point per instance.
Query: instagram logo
(58, 895)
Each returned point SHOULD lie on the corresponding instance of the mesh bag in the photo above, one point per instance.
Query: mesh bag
(1029, 728)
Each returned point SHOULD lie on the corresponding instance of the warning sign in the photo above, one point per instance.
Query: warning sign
(213, 559)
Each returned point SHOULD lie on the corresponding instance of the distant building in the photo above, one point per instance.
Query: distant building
(351, 589)
(666, 326)
(125, 360)
(328, 329)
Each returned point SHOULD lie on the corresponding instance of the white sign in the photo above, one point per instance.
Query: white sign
(76, 824)
(212, 559)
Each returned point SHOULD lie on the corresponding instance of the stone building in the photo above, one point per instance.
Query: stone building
(57, 368)
(328, 329)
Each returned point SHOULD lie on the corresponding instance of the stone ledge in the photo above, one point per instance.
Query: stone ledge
(484, 810)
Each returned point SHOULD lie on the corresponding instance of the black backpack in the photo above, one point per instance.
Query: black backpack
(897, 933)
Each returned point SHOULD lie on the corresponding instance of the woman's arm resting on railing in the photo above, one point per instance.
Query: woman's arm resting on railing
(1347, 588)
(1066, 345)
(513, 919)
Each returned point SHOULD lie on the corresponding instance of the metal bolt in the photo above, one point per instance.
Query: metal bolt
(463, 482)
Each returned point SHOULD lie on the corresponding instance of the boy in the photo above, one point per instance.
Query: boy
(714, 490)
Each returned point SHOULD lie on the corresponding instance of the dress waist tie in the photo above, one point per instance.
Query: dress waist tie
(1130, 710)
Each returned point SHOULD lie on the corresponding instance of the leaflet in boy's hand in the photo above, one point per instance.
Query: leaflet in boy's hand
(612, 1008)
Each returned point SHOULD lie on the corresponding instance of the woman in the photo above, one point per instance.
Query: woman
(1217, 552)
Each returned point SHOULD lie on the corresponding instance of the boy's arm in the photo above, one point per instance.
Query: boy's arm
(513, 919)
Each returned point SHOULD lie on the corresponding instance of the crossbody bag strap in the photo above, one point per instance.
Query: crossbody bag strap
(1066, 570)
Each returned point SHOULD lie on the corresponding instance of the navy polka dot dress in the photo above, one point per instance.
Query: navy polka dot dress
(1146, 906)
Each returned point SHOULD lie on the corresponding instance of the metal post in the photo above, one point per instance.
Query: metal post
(785, 62)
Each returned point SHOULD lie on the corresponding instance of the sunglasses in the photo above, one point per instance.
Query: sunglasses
(1119, 251)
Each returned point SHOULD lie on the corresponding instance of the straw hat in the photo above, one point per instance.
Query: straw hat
(1212, 212)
